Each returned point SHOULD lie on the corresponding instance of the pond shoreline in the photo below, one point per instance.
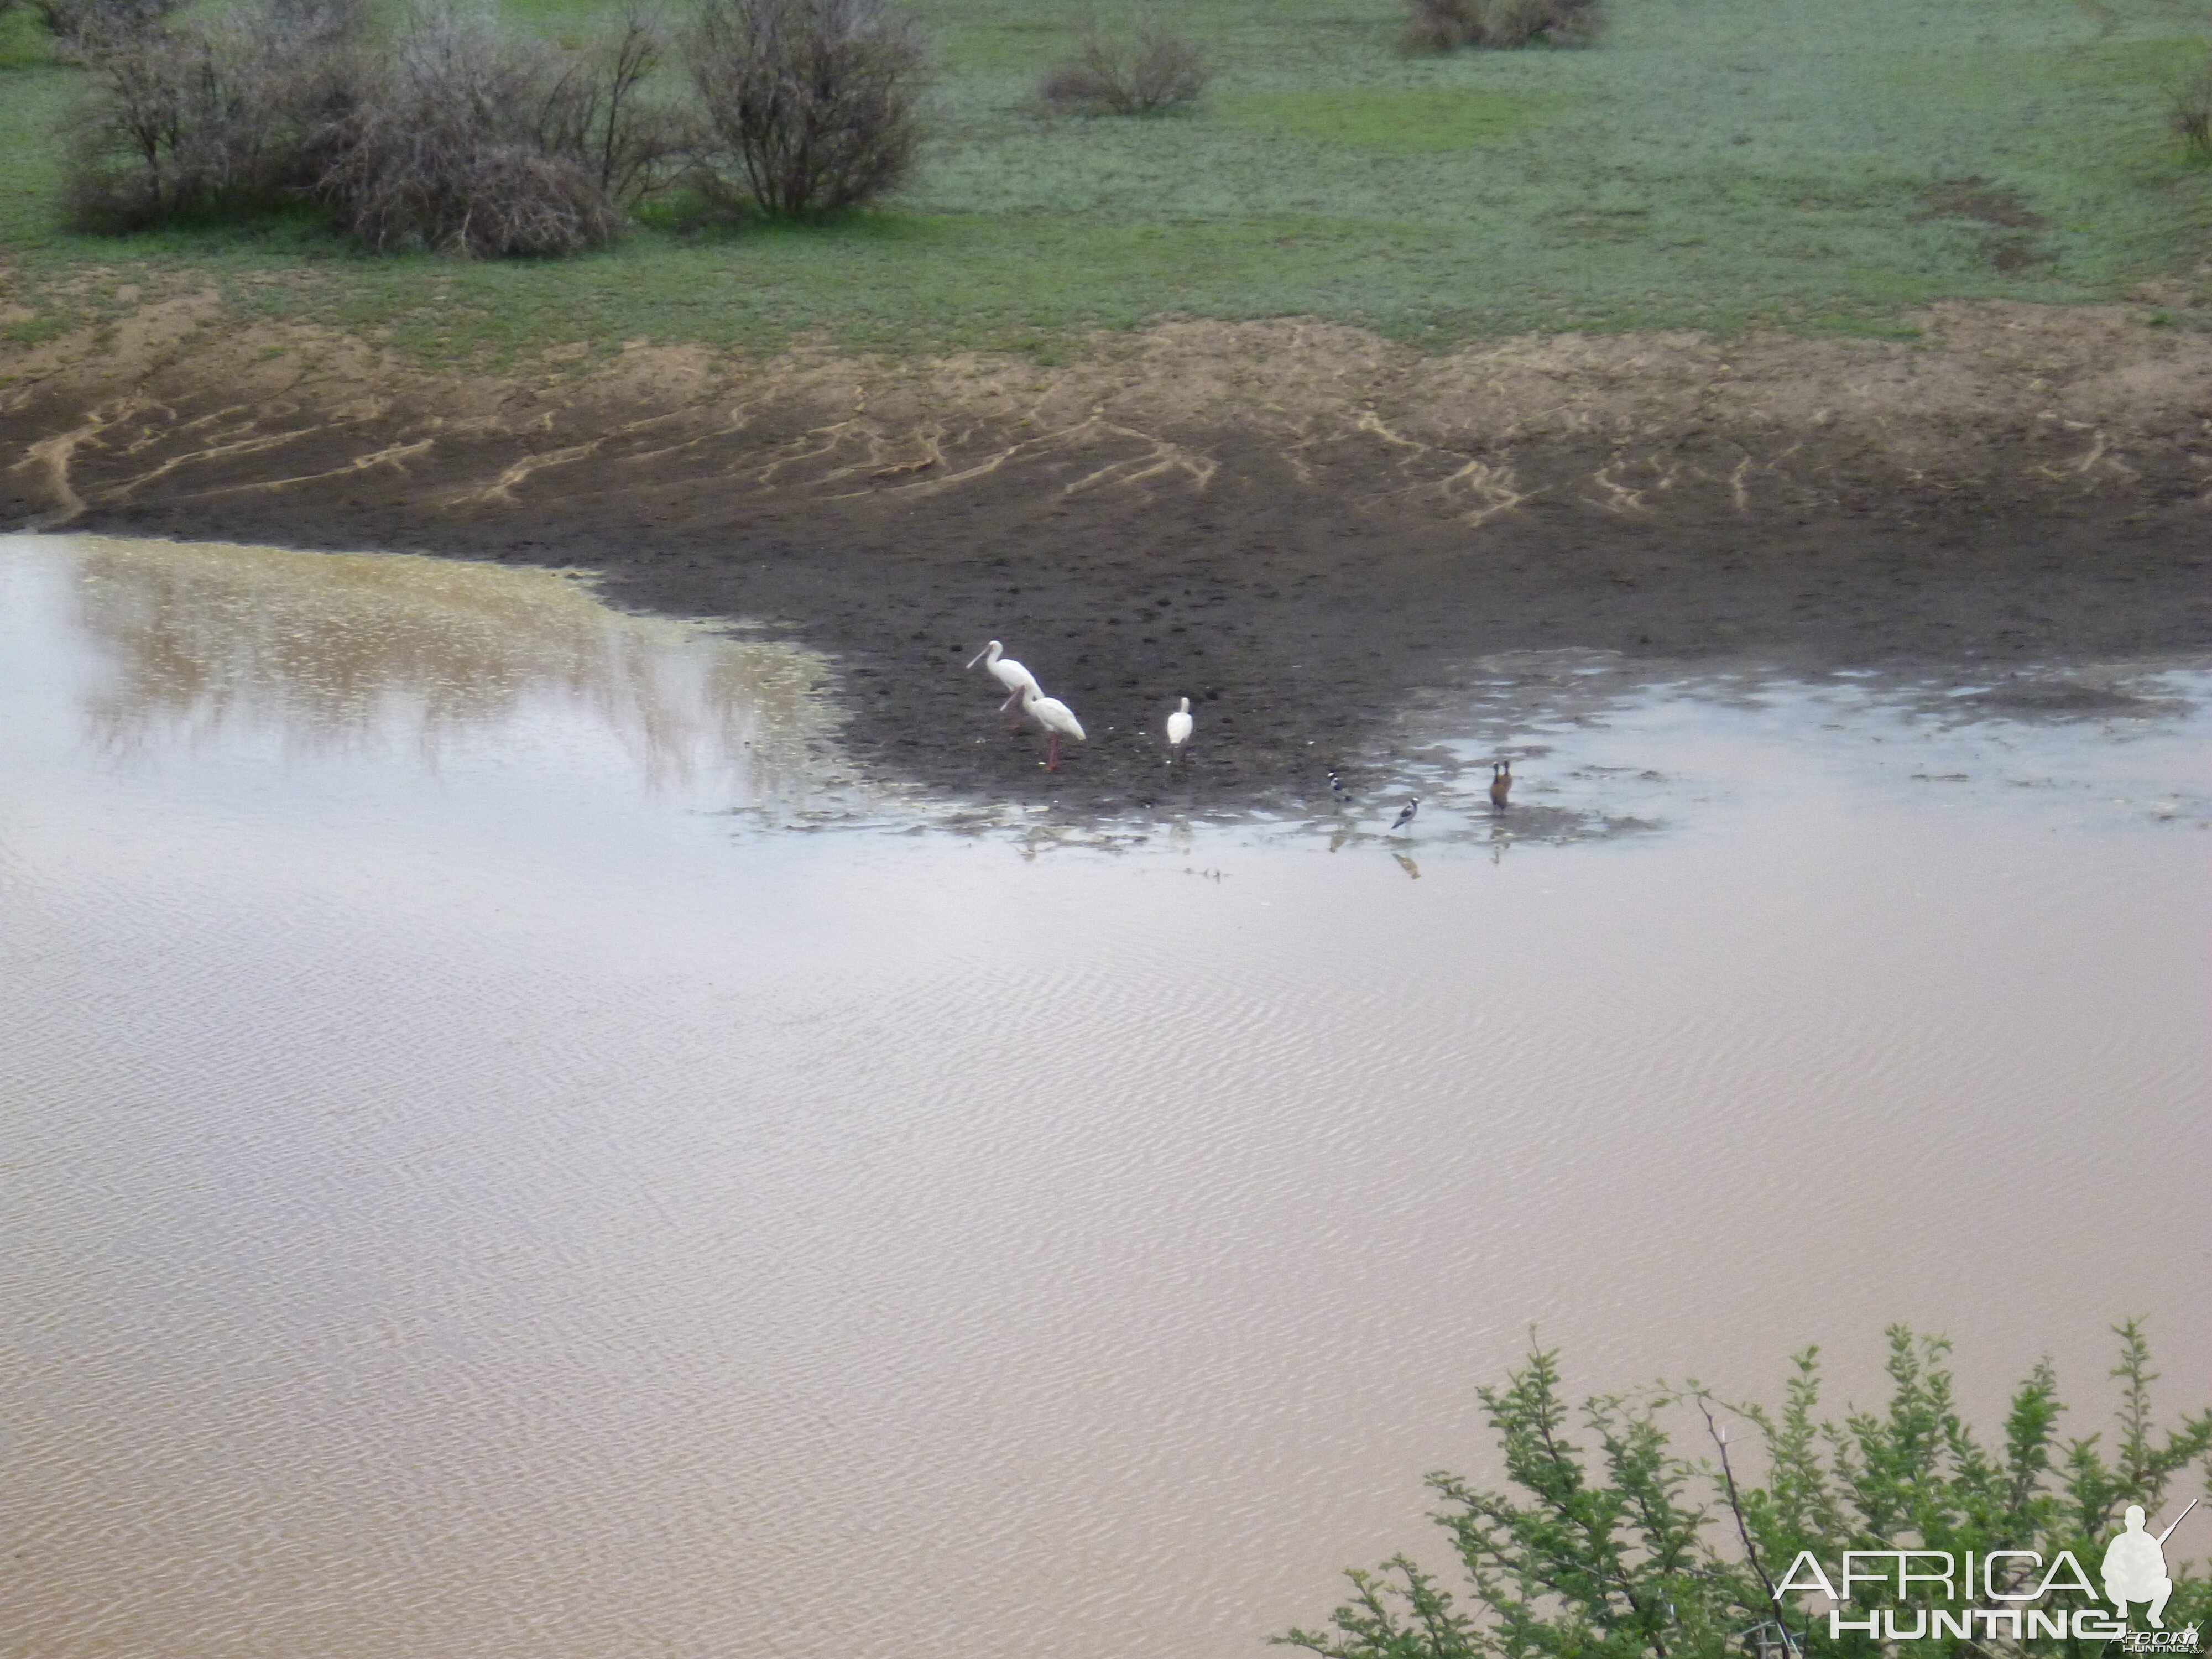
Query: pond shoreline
(1301, 528)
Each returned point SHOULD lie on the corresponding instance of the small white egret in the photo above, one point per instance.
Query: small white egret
(1008, 673)
(1501, 784)
(1055, 716)
(1179, 727)
(1406, 812)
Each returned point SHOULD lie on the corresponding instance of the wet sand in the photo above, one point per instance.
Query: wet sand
(1296, 528)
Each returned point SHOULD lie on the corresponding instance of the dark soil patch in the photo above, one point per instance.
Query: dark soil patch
(2015, 253)
(2063, 699)
(1998, 207)
(1979, 199)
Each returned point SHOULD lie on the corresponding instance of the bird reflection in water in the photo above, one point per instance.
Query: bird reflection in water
(1407, 864)
(1501, 838)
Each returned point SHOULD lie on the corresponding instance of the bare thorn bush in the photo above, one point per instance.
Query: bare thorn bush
(475, 141)
(1439, 25)
(459, 136)
(602, 112)
(811, 104)
(1157, 70)
(179, 122)
(71, 21)
(2191, 115)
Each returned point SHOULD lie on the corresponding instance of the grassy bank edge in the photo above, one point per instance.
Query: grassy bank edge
(988, 256)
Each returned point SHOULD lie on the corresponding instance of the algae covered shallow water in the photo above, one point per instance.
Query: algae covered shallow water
(514, 1147)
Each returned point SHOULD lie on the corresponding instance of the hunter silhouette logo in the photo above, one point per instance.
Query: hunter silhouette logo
(2135, 1566)
(2135, 1571)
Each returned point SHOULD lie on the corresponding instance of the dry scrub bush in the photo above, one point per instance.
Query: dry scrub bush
(604, 116)
(1158, 70)
(2193, 112)
(69, 21)
(810, 103)
(473, 141)
(459, 136)
(241, 115)
(1446, 24)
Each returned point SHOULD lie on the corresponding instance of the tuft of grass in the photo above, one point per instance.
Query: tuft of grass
(35, 331)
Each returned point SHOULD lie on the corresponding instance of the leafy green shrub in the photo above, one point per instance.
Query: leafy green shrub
(1637, 1551)
(811, 104)
(1157, 70)
(1446, 24)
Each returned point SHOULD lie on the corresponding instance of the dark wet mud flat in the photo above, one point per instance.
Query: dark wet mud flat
(1311, 586)
(1605, 746)
(1304, 638)
(482, 1185)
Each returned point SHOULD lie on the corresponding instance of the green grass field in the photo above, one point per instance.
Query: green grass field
(1814, 165)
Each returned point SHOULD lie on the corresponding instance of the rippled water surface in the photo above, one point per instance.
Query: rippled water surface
(513, 1151)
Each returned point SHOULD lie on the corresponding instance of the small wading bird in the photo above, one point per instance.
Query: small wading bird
(1008, 673)
(1406, 812)
(1336, 787)
(1055, 716)
(1178, 729)
(1501, 784)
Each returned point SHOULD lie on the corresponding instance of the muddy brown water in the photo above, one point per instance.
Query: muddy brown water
(517, 1146)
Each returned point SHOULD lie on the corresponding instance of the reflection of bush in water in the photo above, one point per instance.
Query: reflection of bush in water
(337, 649)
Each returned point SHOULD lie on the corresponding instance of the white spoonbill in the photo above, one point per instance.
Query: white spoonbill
(1008, 673)
(1055, 716)
(1179, 727)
